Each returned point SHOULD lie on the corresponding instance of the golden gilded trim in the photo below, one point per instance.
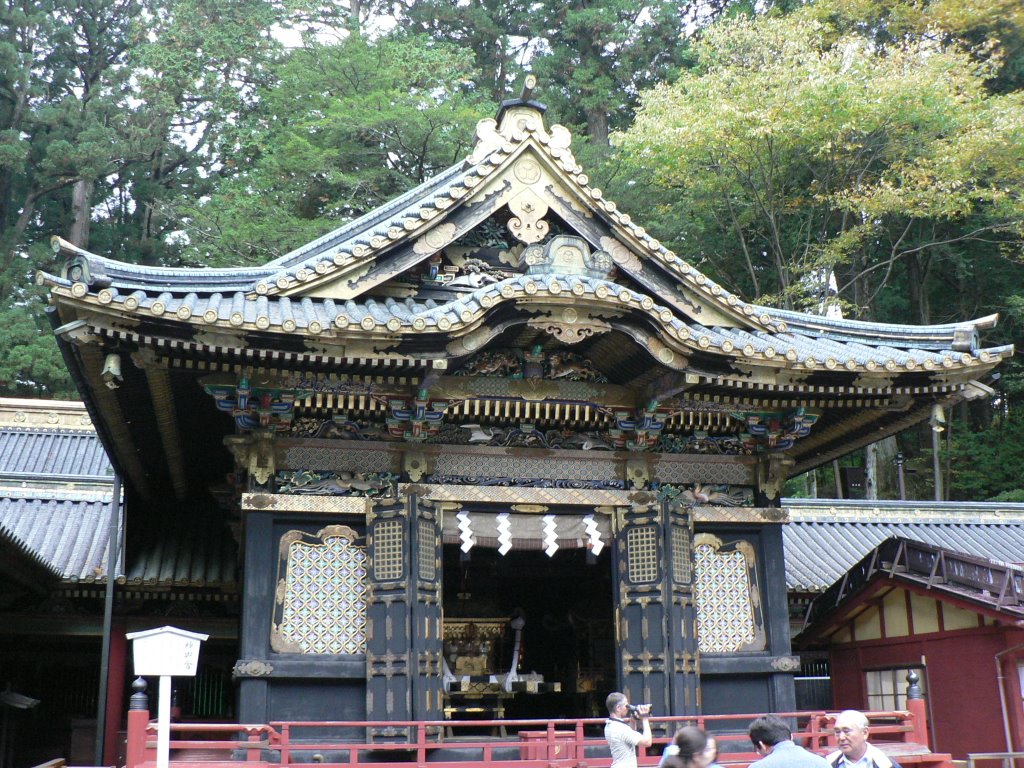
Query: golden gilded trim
(757, 515)
(21, 413)
(501, 495)
(335, 505)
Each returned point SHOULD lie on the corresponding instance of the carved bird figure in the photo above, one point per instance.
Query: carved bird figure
(478, 434)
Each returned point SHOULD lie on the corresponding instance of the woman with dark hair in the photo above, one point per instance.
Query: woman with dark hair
(691, 747)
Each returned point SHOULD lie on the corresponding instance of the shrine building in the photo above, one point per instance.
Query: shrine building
(490, 445)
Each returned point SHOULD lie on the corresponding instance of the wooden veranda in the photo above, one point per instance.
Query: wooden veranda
(569, 743)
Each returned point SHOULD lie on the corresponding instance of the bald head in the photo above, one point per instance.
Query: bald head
(851, 732)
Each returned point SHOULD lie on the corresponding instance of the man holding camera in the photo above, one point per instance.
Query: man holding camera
(620, 731)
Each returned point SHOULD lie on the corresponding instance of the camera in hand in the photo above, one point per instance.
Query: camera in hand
(634, 709)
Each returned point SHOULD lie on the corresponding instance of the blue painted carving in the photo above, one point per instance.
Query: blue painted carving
(255, 406)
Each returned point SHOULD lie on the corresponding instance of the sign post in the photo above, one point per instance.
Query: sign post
(165, 652)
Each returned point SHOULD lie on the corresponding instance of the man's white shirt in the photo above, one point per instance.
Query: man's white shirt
(622, 742)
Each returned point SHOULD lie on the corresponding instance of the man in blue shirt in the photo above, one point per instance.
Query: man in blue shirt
(773, 740)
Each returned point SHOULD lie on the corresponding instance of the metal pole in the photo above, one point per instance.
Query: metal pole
(113, 546)
(936, 469)
(900, 461)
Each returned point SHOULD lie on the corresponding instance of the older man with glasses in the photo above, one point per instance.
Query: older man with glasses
(851, 732)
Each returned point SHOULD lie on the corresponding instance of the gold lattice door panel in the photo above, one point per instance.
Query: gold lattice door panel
(320, 601)
(642, 549)
(729, 617)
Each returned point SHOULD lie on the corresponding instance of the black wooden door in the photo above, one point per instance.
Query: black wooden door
(655, 622)
(425, 560)
(388, 672)
(681, 630)
(640, 608)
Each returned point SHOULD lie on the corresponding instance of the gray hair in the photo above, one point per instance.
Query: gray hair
(859, 718)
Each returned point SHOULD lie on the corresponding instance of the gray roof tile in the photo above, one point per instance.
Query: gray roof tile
(825, 538)
(69, 533)
(58, 455)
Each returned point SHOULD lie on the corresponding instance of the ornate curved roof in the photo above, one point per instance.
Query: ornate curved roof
(510, 249)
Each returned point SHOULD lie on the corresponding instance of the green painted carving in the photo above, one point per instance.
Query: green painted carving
(777, 430)
(303, 481)
(256, 405)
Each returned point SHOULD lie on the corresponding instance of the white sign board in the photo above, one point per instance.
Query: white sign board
(167, 651)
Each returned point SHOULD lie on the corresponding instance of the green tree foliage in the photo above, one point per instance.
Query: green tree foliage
(107, 108)
(592, 56)
(343, 129)
(788, 151)
(499, 33)
(991, 31)
(986, 464)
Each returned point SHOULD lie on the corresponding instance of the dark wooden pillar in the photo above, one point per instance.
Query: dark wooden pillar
(775, 597)
(257, 613)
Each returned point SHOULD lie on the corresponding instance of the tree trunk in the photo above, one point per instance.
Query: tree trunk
(917, 272)
(81, 212)
(870, 472)
(597, 127)
(881, 471)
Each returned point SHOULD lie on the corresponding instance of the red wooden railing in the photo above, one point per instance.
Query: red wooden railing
(575, 743)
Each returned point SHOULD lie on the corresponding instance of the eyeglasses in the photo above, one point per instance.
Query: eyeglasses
(846, 731)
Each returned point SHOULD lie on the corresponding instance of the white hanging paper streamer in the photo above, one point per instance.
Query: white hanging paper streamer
(465, 532)
(590, 526)
(550, 537)
(504, 534)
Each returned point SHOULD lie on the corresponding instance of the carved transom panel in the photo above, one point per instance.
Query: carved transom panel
(388, 545)
(726, 596)
(321, 594)
(708, 473)
(332, 458)
(642, 554)
(554, 467)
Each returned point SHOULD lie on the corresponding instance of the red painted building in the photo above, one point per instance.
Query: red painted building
(954, 619)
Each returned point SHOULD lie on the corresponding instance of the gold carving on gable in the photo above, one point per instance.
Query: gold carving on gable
(621, 255)
(528, 224)
(527, 170)
(666, 355)
(434, 239)
(470, 342)
(487, 140)
(561, 138)
(571, 332)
